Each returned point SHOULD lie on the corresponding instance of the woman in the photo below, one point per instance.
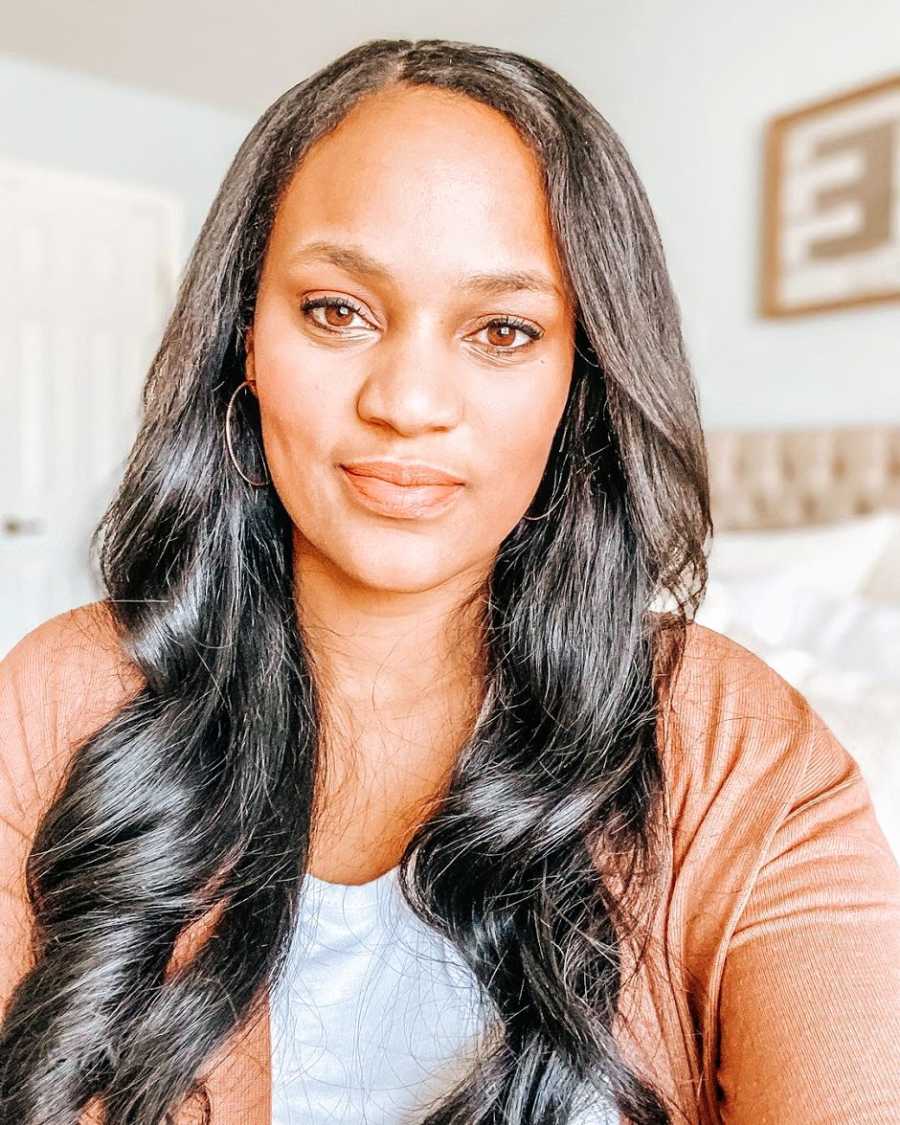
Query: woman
(451, 689)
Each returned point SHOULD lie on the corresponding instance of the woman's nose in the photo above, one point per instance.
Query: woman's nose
(411, 387)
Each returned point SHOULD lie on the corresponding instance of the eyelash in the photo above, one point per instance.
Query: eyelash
(510, 321)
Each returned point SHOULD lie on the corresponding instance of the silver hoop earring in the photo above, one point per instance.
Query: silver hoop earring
(228, 442)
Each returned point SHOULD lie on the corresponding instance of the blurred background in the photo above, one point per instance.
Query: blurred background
(768, 139)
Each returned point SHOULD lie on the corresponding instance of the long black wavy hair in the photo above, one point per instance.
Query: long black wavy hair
(197, 795)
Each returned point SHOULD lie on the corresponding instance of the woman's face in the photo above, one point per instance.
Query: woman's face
(422, 222)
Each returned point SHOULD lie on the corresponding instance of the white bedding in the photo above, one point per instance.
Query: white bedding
(821, 628)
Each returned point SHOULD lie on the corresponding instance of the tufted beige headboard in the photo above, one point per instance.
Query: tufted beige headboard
(797, 477)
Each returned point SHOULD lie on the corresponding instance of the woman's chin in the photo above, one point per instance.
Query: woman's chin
(400, 574)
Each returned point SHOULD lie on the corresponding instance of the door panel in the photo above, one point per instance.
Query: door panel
(88, 273)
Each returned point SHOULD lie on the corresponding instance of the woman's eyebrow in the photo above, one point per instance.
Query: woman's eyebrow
(353, 259)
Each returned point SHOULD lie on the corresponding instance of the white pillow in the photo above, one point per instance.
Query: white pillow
(835, 558)
(883, 581)
(855, 633)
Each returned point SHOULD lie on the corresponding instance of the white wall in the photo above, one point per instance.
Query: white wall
(689, 87)
(70, 120)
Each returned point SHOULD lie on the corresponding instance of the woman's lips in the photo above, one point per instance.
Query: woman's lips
(401, 500)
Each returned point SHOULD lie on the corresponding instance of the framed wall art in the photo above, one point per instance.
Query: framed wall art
(831, 203)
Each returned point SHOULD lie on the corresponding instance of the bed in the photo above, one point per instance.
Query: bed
(804, 570)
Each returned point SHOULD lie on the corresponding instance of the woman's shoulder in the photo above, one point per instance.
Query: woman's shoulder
(720, 674)
(722, 692)
(82, 628)
(744, 751)
(739, 738)
(61, 681)
(56, 661)
(779, 866)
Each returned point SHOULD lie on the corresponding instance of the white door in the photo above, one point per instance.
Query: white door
(88, 272)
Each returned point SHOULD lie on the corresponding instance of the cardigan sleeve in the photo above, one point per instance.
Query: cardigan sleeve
(27, 727)
(809, 1002)
(60, 682)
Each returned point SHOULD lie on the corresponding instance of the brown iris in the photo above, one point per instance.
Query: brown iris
(505, 333)
(339, 309)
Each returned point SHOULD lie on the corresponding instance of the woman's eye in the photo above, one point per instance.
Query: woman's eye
(337, 313)
(502, 334)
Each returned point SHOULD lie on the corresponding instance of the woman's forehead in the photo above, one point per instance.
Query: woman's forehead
(419, 176)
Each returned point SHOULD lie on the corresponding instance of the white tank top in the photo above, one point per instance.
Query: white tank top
(376, 1017)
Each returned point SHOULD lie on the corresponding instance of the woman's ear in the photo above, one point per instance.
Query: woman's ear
(249, 361)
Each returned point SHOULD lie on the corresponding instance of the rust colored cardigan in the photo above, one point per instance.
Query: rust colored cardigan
(770, 992)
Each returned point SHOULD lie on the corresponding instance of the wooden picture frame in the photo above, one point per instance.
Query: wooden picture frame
(831, 203)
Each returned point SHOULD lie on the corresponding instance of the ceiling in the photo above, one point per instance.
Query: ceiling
(240, 57)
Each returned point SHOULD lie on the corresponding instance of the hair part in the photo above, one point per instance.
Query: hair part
(197, 796)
